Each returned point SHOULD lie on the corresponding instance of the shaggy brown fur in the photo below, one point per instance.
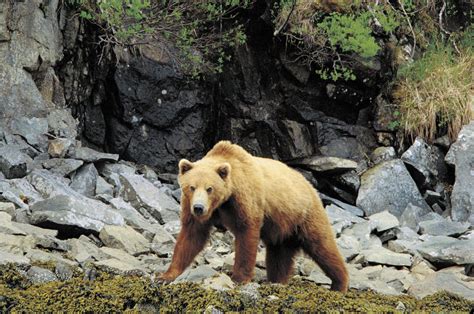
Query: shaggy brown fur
(254, 198)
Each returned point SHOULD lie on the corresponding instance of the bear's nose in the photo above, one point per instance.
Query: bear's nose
(198, 209)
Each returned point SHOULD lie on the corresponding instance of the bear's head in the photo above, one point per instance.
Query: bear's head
(205, 185)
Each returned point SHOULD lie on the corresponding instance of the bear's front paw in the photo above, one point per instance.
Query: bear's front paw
(241, 279)
(166, 277)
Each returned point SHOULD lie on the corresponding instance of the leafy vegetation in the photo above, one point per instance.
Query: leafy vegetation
(334, 35)
(202, 30)
(434, 93)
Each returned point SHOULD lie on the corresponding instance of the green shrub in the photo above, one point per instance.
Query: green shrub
(329, 34)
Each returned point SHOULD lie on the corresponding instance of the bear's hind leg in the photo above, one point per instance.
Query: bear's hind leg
(319, 243)
(279, 261)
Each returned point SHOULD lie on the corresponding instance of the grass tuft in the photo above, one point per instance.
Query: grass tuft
(435, 93)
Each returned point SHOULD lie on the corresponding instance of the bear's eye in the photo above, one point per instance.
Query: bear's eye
(192, 188)
(209, 190)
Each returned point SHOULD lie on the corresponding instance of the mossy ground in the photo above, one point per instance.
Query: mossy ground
(137, 294)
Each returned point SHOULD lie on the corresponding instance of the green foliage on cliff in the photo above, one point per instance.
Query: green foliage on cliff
(202, 30)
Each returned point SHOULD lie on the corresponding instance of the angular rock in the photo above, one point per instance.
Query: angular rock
(388, 186)
(40, 256)
(89, 155)
(106, 169)
(163, 244)
(347, 207)
(64, 211)
(337, 214)
(452, 282)
(83, 250)
(52, 243)
(411, 216)
(121, 255)
(63, 271)
(443, 249)
(9, 258)
(62, 123)
(13, 163)
(220, 282)
(142, 193)
(443, 227)
(84, 180)
(349, 246)
(426, 162)
(328, 164)
(19, 94)
(102, 187)
(35, 231)
(7, 227)
(384, 221)
(361, 232)
(124, 237)
(461, 156)
(197, 274)
(381, 154)
(7, 207)
(38, 275)
(33, 130)
(349, 180)
(58, 147)
(62, 167)
(383, 256)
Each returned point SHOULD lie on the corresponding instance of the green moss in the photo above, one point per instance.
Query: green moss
(137, 294)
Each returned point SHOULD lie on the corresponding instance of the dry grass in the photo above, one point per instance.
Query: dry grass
(435, 94)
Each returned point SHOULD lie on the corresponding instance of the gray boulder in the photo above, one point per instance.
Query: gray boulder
(381, 154)
(84, 180)
(66, 210)
(33, 130)
(384, 221)
(450, 280)
(411, 216)
(13, 163)
(461, 156)
(388, 186)
(443, 249)
(125, 238)
(426, 162)
(142, 193)
(39, 275)
(327, 164)
(442, 227)
(19, 95)
(384, 256)
(62, 167)
(89, 155)
(197, 274)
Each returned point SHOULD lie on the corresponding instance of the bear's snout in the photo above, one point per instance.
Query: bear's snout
(198, 209)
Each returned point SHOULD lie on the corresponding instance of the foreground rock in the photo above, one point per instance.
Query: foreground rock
(388, 186)
(461, 156)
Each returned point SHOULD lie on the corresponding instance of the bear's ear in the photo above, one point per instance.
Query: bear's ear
(184, 166)
(224, 170)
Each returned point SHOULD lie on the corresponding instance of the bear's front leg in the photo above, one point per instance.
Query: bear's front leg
(191, 240)
(246, 245)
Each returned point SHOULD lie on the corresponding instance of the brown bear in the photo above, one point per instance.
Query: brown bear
(254, 198)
